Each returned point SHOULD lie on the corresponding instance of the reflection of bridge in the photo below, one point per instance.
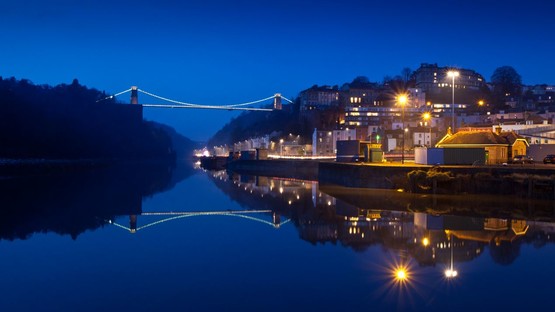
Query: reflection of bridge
(171, 216)
(179, 104)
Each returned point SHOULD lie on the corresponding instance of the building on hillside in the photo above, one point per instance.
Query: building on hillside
(364, 116)
(324, 143)
(499, 147)
(519, 120)
(422, 136)
(472, 120)
(319, 98)
(365, 94)
(539, 95)
(534, 128)
(433, 79)
(252, 144)
(393, 140)
(416, 98)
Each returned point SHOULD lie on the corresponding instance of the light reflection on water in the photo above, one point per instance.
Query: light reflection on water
(217, 242)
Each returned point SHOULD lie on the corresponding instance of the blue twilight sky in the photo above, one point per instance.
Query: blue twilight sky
(225, 52)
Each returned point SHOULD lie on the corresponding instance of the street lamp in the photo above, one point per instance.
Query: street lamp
(428, 118)
(402, 100)
(453, 74)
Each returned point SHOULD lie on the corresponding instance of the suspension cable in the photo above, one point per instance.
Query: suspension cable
(113, 96)
(203, 105)
(288, 100)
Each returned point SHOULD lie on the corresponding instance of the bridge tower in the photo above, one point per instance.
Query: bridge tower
(277, 101)
(133, 224)
(276, 219)
(134, 95)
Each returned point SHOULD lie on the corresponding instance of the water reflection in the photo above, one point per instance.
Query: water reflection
(275, 221)
(451, 235)
(72, 203)
(214, 242)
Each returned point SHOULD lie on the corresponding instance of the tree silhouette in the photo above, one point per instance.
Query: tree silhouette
(506, 83)
(73, 122)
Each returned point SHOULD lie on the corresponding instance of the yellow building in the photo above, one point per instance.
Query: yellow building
(499, 147)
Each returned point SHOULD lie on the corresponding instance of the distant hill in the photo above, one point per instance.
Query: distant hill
(75, 122)
(275, 123)
(182, 145)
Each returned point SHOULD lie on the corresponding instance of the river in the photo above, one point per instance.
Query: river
(164, 238)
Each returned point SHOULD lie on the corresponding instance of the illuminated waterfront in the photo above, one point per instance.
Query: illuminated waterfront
(207, 241)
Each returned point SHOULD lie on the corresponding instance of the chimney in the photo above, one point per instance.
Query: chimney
(498, 130)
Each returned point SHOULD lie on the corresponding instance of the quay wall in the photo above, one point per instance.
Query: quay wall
(384, 176)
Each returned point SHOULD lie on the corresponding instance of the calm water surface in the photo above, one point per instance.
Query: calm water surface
(189, 240)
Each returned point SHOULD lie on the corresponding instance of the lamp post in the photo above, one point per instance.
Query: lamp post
(428, 117)
(453, 74)
(402, 100)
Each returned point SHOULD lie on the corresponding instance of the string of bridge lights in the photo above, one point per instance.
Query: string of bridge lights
(181, 104)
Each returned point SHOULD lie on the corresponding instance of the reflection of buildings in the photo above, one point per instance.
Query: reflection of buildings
(429, 239)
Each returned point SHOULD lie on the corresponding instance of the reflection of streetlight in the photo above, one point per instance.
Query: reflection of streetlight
(451, 272)
(402, 100)
(401, 275)
(453, 74)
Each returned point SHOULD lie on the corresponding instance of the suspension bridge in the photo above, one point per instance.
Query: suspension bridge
(173, 216)
(172, 103)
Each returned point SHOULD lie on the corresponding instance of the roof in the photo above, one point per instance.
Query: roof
(510, 137)
(480, 138)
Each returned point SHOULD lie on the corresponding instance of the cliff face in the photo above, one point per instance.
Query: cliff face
(74, 122)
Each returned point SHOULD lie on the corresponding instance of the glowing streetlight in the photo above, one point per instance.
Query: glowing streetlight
(453, 74)
(402, 100)
(428, 118)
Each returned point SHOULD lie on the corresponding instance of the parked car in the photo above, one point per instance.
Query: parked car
(549, 159)
(522, 159)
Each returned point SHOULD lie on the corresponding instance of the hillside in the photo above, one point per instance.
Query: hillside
(275, 123)
(74, 122)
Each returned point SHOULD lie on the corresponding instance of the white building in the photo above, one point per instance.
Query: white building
(324, 143)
